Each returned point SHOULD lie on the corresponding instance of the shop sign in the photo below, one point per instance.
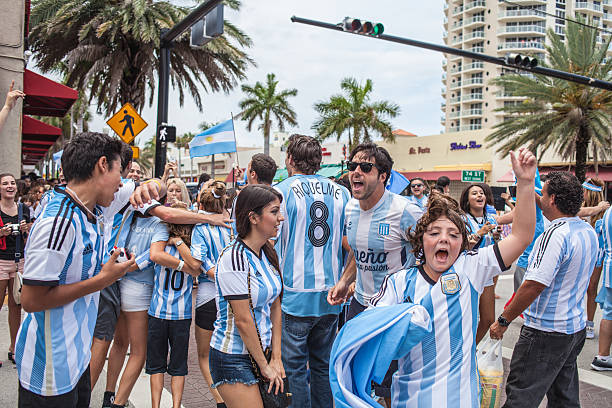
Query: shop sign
(419, 150)
(472, 176)
(470, 145)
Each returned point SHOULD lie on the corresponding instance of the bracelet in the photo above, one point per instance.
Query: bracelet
(180, 265)
(178, 243)
(154, 181)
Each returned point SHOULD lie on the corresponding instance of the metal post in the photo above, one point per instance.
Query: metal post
(162, 106)
(212, 166)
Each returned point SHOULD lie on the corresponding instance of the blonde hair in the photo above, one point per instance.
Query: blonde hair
(184, 192)
(592, 198)
(213, 197)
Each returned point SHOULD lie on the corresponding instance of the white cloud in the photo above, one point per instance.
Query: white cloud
(314, 60)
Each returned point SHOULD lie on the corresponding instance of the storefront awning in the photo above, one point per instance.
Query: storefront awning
(432, 175)
(37, 138)
(45, 97)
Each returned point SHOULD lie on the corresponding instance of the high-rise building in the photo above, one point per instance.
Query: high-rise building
(499, 27)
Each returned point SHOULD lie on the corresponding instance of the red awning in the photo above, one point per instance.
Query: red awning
(605, 171)
(37, 138)
(432, 175)
(507, 178)
(229, 177)
(45, 97)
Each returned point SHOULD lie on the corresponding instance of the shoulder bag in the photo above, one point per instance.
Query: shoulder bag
(18, 280)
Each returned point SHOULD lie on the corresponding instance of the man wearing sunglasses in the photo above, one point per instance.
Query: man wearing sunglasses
(417, 193)
(377, 223)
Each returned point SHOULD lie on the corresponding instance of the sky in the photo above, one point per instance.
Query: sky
(314, 61)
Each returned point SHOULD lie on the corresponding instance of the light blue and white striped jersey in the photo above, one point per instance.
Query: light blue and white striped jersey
(64, 247)
(600, 242)
(44, 200)
(309, 244)
(235, 262)
(442, 370)
(207, 242)
(606, 234)
(419, 202)
(379, 240)
(475, 223)
(144, 231)
(172, 290)
(563, 259)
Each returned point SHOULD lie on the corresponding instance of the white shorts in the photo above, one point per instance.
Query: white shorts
(135, 296)
(206, 292)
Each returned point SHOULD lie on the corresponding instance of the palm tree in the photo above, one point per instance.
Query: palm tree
(182, 142)
(556, 114)
(147, 155)
(113, 46)
(352, 111)
(264, 102)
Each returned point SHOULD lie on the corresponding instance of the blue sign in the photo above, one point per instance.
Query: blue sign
(460, 146)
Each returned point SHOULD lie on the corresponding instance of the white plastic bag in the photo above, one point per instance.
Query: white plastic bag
(491, 370)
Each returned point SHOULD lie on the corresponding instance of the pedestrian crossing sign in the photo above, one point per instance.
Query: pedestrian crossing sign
(135, 152)
(127, 123)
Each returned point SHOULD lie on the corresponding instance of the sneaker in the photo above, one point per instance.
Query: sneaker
(590, 332)
(600, 365)
(109, 399)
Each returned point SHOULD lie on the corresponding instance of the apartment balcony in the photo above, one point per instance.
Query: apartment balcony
(479, 49)
(477, 5)
(471, 97)
(506, 95)
(443, 91)
(455, 85)
(473, 66)
(521, 15)
(522, 29)
(457, 40)
(443, 105)
(607, 16)
(607, 3)
(455, 100)
(453, 129)
(454, 115)
(442, 120)
(474, 36)
(474, 21)
(471, 82)
(457, 25)
(591, 8)
(471, 127)
(456, 70)
(526, 2)
(522, 45)
(457, 10)
(444, 35)
(470, 113)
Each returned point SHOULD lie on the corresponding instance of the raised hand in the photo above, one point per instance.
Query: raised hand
(12, 96)
(524, 164)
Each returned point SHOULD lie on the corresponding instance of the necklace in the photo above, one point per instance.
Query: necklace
(99, 218)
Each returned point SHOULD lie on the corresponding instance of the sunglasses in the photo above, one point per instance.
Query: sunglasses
(416, 185)
(366, 167)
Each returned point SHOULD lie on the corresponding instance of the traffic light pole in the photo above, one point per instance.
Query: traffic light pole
(168, 36)
(596, 83)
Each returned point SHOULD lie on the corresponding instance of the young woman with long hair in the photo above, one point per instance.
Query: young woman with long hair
(11, 257)
(249, 284)
(442, 370)
(177, 192)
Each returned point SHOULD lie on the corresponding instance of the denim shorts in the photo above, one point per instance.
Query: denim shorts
(604, 298)
(135, 296)
(230, 368)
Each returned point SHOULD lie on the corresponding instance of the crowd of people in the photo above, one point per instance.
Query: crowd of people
(110, 260)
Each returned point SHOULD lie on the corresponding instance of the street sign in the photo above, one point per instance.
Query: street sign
(135, 152)
(166, 133)
(127, 123)
(472, 176)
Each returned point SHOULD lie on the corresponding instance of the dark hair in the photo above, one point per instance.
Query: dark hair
(464, 201)
(229, 197)
(443, 181)
(126, 156)
(82, 153)
(488, 193)
(22, 188)
(439, 205)
(265, 168)
(204, 177)
(209, 202)
(382, 158)
(3, 175)
(253, 199)
(567, 191)
(305, 152)
(422, 181)
(182, 231)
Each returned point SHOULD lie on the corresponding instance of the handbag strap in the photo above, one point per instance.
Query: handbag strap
(18, 238)
(252, 308)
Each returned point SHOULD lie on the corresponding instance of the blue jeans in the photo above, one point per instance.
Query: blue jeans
(307, 341)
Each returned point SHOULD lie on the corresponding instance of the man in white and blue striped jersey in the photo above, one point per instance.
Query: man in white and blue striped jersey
(63, 274)
(311, 259)
(602, 361)
(551, 298)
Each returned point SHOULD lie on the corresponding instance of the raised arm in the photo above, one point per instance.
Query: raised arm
(11, 99)
(179, 216)
(591, 211)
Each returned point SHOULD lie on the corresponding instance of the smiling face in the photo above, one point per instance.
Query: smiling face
(364, 184)
(442, 242)
(8, 187)
(477, 200)
(417, 187)
(174, 193)
(135, 172)
(267, 223)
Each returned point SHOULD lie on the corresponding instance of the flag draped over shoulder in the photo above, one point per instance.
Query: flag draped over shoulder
(217, 139)
(365, 347)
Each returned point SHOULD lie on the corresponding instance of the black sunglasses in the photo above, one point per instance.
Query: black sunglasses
(416, 185)
(366, 167)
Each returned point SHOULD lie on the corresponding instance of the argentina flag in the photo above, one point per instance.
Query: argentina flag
(365, 347)
(217, 139)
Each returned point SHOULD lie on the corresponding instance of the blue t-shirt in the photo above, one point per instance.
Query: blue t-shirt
(144, 232)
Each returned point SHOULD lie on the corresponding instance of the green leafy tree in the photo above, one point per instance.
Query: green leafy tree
(353, 111)
(182, 142)
(147, 156)
(556, 114)
(113, 47)
(265, 103)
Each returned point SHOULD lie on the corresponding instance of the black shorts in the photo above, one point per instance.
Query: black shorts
(108, 312)
(206, 315)
(79, 397)
(160, 334)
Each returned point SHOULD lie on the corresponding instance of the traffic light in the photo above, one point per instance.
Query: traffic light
(357, 26)
(344, 151)
(521, 61)
(208, 28)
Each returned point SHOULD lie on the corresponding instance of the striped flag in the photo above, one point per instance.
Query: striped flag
(217, 139)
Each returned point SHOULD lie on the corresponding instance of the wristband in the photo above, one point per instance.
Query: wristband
(154, 181)
(180, 265)
(179, 243)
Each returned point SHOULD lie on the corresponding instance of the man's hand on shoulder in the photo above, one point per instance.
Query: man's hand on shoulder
(144, 193)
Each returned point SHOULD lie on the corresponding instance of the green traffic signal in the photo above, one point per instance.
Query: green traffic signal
(378, 29)
(357, 26)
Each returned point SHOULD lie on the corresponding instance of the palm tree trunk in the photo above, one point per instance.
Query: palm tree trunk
(267, 137)
(355, 141)
(595, 161)
(582, 145)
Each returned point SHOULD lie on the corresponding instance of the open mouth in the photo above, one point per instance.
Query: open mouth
(441, 255)
(357, 185)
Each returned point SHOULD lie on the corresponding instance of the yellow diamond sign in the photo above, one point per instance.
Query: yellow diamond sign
(127, 123)
(135, 152)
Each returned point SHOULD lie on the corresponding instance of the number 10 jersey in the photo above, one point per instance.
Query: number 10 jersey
(172, 289)
(309, 244)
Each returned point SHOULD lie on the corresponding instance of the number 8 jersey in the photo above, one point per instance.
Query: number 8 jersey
(171, 298)
(309, 244)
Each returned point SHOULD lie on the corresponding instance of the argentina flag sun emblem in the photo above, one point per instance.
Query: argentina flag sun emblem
(450, 283)
(383, 229)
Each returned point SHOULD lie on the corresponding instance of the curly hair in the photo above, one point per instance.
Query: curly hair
(592, 198)
(440, 205)
(567, 191)
(213, 198)
(182, 231)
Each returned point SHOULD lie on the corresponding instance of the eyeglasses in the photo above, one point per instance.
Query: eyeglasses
(366, 167)
(416, 186)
